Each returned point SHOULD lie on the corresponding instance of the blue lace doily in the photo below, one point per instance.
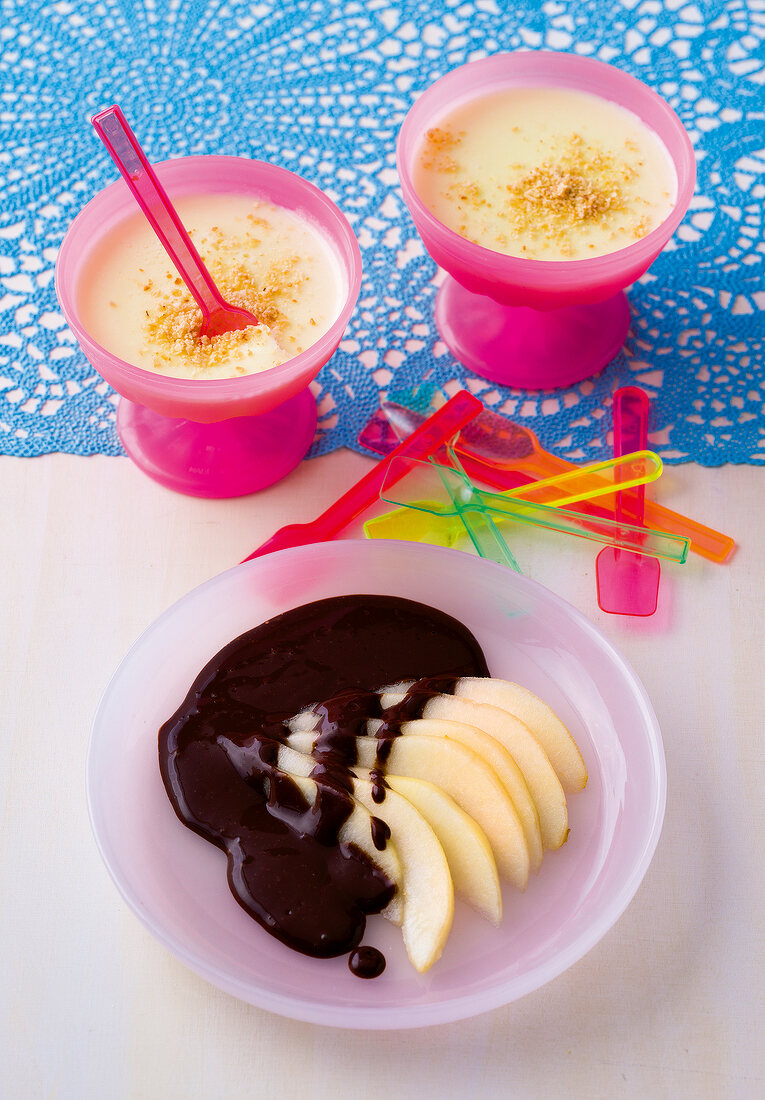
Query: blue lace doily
(322, 88)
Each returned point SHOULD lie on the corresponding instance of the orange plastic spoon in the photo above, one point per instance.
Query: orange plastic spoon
(498, 450)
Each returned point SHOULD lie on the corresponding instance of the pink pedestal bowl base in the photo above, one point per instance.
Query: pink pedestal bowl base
(530, 348)
(228, 459)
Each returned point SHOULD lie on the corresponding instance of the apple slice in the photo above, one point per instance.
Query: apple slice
(525, 751)
(460, 772)
(486, 744)
(561, 748)
(498, 759)
(305, 721)
(428, 890)
(426, 886)
(357, 830)
(468, 852)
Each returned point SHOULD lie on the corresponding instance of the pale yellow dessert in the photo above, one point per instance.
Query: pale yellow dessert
(261, 257)
(545, 173)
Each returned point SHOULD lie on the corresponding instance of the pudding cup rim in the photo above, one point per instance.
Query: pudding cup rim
(538, 272)
(215, 389)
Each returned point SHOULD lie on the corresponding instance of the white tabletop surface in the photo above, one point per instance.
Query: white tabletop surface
(668, 1004)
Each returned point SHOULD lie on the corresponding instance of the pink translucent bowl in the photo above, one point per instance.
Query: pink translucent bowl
(537, 323)
(175, 882)
(221, 437)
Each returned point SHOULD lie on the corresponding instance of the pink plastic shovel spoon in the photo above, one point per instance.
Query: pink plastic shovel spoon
(218, 316)
(426, 440)
(628, 583)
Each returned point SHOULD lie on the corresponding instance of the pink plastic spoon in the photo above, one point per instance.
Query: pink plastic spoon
(426, 440)
(628, 583)
(218, 316)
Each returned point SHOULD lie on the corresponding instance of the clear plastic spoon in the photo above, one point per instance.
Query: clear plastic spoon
(476, 521)
(502, 454)
(218, 316)
(499, 506)
(581, 483)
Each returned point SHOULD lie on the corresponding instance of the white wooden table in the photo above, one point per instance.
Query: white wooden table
(669, 1004)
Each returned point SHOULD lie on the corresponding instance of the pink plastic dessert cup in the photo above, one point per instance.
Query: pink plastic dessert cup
(537, 324)
(220, 437)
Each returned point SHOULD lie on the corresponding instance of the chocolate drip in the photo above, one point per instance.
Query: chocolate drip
(416, 699)
(379, 786)
(261, 819)
(380, 833)
(367, 962)
(218, 756)
(339, 721)
(343, 718)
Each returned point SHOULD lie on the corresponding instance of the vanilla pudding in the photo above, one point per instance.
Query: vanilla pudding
(545, 173)
(262, 258)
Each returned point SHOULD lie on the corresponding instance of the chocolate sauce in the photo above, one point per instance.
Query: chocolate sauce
(218, 755)
(366, 962)
(380, 832)
(379, 786)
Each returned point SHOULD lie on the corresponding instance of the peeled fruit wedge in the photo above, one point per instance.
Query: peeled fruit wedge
(495, 755)
(428, 893)
(474, 792)
(468, 852)
(424, 884)
(464, 776)
(528, 756)
(357, 830)
(561, 748)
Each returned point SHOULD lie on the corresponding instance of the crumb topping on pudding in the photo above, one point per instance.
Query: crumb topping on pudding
(545, 173)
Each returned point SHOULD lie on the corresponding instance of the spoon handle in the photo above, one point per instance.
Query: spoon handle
(426, 440)
(124, 149)
(631, 409)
